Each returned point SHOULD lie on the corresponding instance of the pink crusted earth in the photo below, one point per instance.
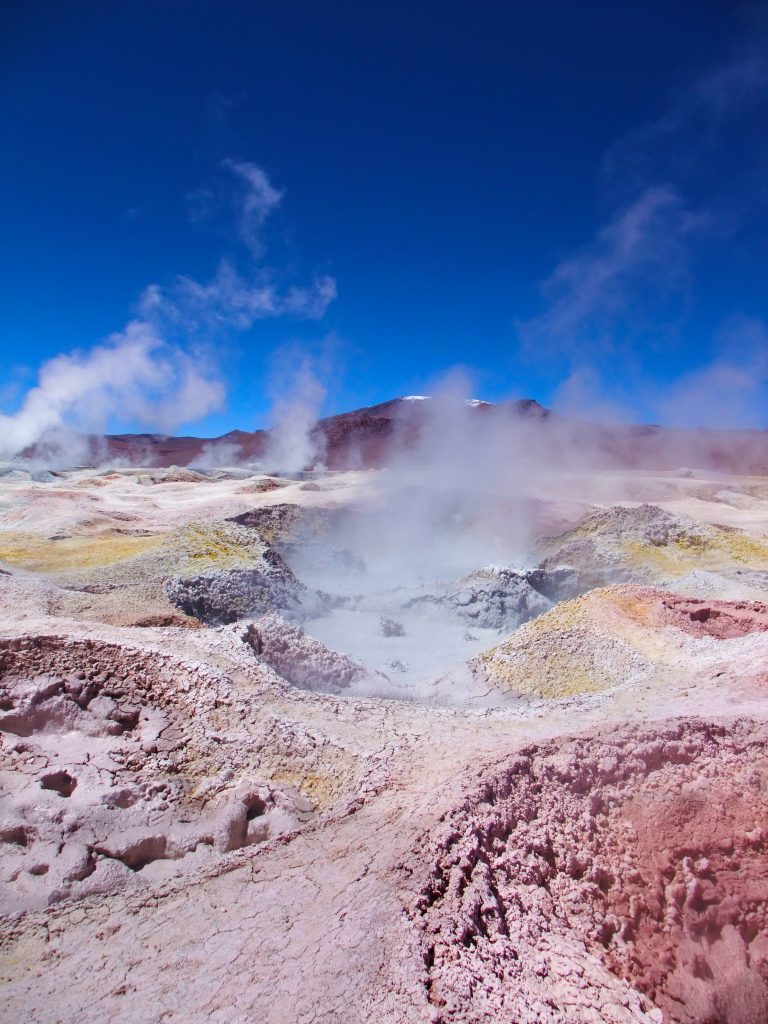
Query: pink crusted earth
(227, 821)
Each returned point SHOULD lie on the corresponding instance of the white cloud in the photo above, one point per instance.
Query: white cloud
(234, 300)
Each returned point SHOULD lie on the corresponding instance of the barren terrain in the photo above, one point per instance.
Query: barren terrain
(259, 765)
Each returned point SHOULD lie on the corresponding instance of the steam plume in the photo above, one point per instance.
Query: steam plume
(145, 372)
(299, 395)
(135, 371)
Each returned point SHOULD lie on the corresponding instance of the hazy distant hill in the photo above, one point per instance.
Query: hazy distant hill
(368, 437)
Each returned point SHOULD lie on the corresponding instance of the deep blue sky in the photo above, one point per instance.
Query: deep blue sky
(439, 160)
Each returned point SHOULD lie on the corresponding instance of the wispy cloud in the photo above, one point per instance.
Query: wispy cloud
(685, 179)
(729, 391)
(218, 109)
(159, 370)
(699, 119)
(259, 198)
(233, 300)
(238, 298)
(607, 293)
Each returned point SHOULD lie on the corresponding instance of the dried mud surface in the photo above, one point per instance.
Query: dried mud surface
(109, 776)
(207, 815)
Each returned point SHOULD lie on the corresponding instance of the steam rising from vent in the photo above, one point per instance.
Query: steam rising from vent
(448, 500)
(218, 454)
(466, 484)
(149, 372)
(135, 371)
(294, 444)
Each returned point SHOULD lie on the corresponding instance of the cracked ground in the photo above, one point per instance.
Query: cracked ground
(230, 822)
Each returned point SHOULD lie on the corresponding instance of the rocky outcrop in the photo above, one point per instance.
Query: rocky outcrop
(500, 598)
(258, 582)
(226, 595)
(648, 544)
(639, 855)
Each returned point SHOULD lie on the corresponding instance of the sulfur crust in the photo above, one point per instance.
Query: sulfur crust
(682, 555)
(563, 653)
(45, 555)
(585, 645)
(217, 546)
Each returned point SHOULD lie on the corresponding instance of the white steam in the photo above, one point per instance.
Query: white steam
(218, 454)
(146, 373)
(293, 444)
(135, 372)
(730, 390)
(449, 498)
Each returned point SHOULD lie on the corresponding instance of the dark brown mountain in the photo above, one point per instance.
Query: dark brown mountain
(367, 437)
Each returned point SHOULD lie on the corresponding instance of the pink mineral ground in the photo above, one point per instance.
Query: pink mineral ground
(643, 849)
(724, 620)
(209, 818)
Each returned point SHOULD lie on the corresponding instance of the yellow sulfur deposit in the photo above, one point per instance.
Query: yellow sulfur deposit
(44, 554)
(215, 546)
(585, 645)
(683, 555)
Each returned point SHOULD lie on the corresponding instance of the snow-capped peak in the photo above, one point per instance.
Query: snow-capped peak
(474, 402)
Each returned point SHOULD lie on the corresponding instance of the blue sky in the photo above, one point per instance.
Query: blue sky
(566, 200)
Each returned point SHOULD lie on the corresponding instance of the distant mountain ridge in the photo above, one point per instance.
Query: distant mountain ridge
(362, 437)
(368, 437)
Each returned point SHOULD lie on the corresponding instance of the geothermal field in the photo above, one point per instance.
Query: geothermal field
(467, 724)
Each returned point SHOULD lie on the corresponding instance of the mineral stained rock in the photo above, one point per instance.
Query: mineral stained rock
(227, 595)
(500, 598)
(622, 636)
(638, 856)
(649, 544)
